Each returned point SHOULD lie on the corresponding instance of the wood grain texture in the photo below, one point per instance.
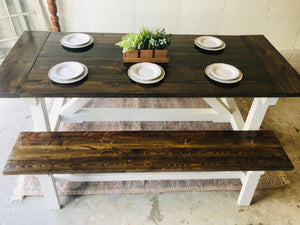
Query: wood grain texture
(17, 65)
(52, 7)
(266, 72)
(145, 151)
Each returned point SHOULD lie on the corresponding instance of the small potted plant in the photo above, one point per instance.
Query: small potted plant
(146, 50)
(160, 41)
(130, 44)
(146, 46)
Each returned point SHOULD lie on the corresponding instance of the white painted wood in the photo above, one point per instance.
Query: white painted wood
(217, 105)
(250, 182)
(249, 179)
(39, 113)
(54, 116)
(18, 14)
(42, 22)
(144, 114)
(236, 121)
(224, 110)
(257, 112)
(221, 108)
(50, 193)
(243, 178)
(74, 104)
(224, 100)
(269, 101)
(148, 176)
(13, 26)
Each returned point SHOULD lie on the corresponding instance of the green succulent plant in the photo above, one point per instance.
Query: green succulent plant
(160, 39)
(146, 37)
(130, 42)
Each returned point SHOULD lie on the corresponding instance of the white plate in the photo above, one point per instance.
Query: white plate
(223, 81)
(146, 71)
(134, 78)
(61, 81)
(67, 70)
(64, 43)
(209, 42)
(210, 49)
(223, 71)
(76, 39)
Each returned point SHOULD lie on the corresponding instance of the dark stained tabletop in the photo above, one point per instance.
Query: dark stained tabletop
(24, 72)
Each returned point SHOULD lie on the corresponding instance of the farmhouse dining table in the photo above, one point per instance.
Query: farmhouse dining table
(266, 77)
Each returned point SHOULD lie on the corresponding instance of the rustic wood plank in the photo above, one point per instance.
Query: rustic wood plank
(147, 151)
(284, 76)
(18, 63)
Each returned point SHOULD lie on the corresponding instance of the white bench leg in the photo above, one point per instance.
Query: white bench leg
(50, 193)
(249, 181)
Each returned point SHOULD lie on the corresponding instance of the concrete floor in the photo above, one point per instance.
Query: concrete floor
(279, 206)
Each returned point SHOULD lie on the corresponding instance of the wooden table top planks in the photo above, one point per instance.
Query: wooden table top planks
(24, 72)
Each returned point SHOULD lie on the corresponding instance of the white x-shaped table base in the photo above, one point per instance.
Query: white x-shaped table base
(222, 110)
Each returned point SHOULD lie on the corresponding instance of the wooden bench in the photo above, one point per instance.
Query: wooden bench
(147, 155)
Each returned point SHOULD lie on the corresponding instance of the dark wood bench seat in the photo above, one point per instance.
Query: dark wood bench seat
(47, 153)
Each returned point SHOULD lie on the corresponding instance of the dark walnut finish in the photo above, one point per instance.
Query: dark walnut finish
(266, 72)
(19, 62)
(145, 151)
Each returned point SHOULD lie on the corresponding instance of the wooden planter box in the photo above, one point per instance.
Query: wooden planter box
(146, 56)
(160, 53)
(132, 54)
(146, 53)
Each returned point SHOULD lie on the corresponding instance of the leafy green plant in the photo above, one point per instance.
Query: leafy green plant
(130, 42)
(160, 39)
(146, 37)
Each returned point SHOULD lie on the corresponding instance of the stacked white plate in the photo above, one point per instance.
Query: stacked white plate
(77, 40)
(146, 73)
(68, 72)
(209, 43)
(223, 73)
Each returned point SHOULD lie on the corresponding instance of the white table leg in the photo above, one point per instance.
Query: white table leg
(257, 112)
(50, 193)
(54, 116)
(236, 120)
(249, 182)
(227, 110)
(39, 113)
